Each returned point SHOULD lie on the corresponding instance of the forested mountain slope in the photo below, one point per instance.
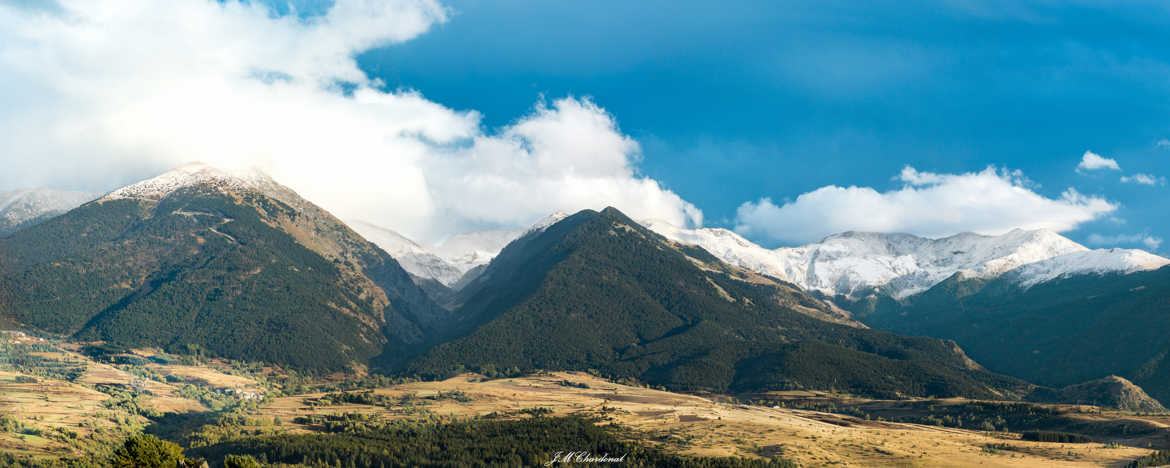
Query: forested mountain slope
(1057, 333)
(231, 263)
(599, 291)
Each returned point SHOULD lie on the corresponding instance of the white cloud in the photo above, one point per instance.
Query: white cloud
(556, 158)
(1150, 242)
(1144, 179)
(1163, 143)
(1091, 161)
(110, 90)
(929, 204)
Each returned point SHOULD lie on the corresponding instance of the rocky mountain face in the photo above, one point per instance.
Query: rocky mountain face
(225, 261)
(24, 208)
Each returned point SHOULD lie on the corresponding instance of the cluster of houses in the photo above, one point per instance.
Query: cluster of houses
(18, 337)
(241, 394)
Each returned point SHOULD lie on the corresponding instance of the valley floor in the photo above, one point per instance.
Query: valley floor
(704, 426)
(59, 414)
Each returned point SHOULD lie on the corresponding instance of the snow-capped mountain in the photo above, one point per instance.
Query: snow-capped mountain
(197, 174)
(451, 259)
(472, 249)
(856, 264)
(22, 208)
(414, 258)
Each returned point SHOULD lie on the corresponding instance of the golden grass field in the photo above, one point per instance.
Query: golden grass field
(703, 426)
(691, 424)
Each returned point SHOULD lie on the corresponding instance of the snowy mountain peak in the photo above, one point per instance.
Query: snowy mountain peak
(196, 174)
(859, 263)
(413, 258)
(388, 239)
(21, 208)
(447, 261)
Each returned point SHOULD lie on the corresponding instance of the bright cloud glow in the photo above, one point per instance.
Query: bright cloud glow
(1091, 161)
(929, 204)
(1144, 179)
(112, 90)
(1150, 242)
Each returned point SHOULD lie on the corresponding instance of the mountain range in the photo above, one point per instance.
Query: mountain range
(859, 264)
(597, 291)
(1031, 304)
(233, 264)
(849, 265)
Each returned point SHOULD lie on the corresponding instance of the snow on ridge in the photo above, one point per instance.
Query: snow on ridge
(545, 222)
(194, 174)
(856, 264)
(725, 245)
(1099, 261)
(388, 239)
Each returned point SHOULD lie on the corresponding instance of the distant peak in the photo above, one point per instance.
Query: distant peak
(866, 235)
(1016, 233)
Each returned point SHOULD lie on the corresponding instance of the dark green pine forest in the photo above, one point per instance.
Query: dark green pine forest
(485, 442)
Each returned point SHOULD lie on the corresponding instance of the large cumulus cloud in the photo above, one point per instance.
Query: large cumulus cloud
(99, 92)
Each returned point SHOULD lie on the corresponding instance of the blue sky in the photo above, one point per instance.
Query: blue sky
(785, 121)
(733, 101)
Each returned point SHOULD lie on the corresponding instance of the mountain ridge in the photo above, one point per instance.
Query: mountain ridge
(857, 264)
